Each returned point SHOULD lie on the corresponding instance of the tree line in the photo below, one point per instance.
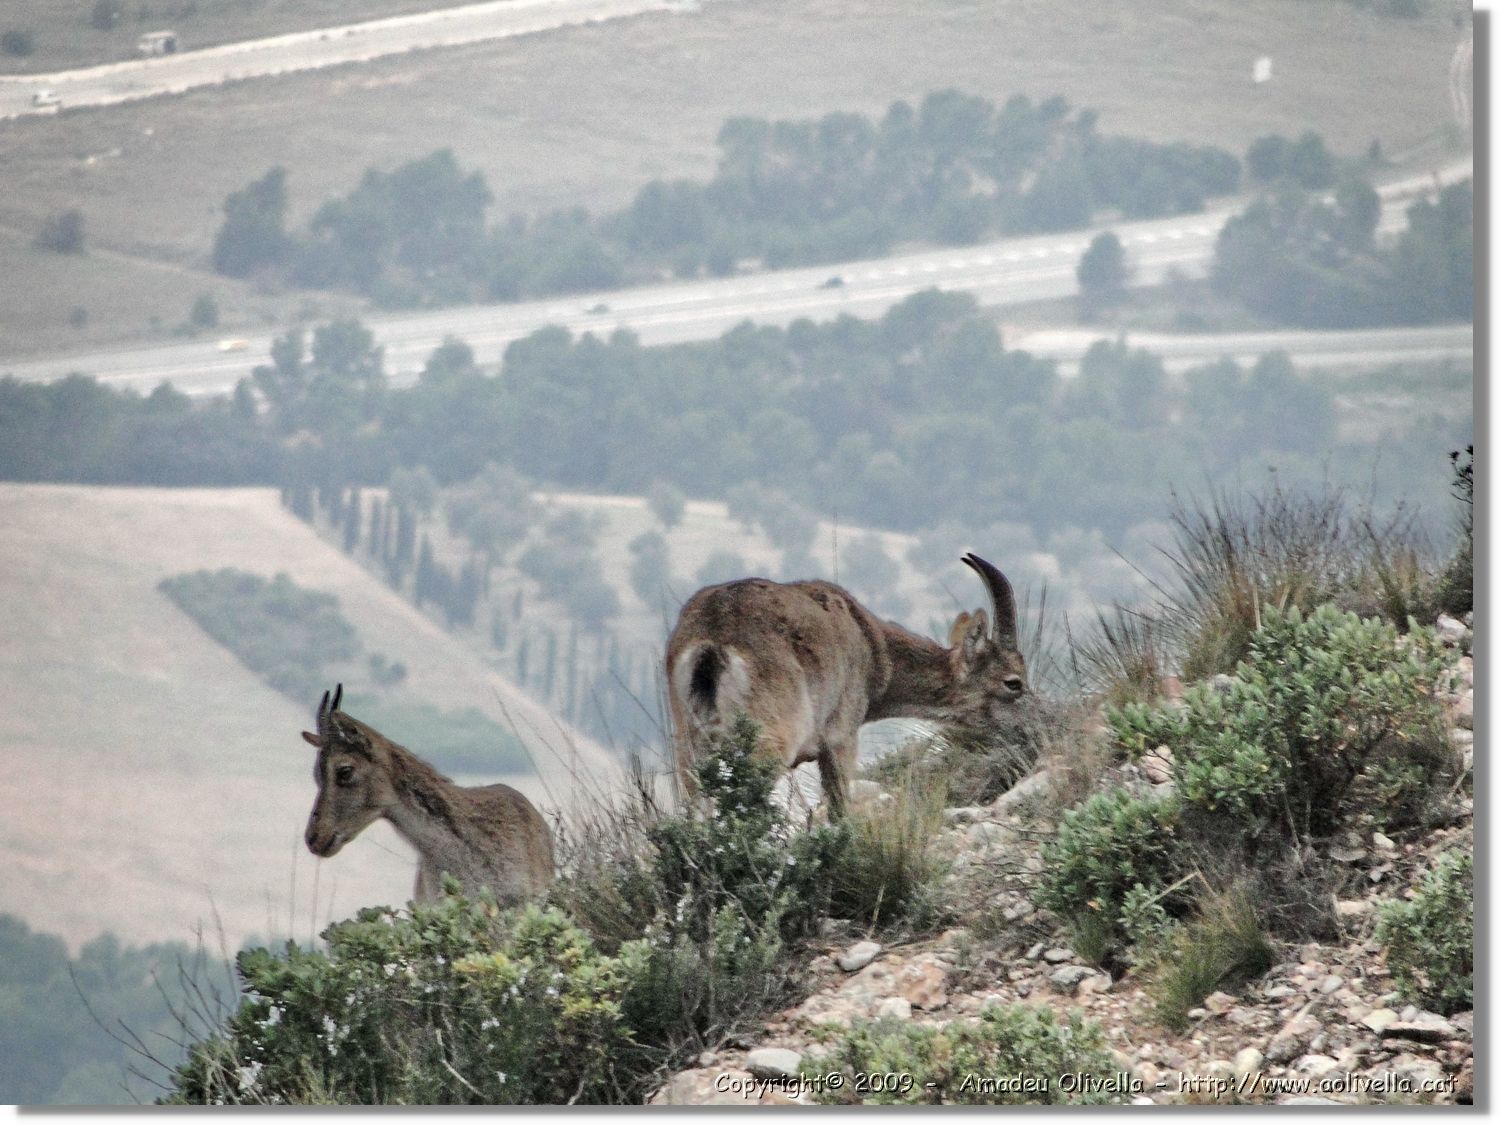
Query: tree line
(900, 422)
(954, 169)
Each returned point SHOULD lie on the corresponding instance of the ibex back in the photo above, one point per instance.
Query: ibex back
(810, 665)
(486, 836)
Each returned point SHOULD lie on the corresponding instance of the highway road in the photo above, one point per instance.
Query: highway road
(111, 83)
(1006, 272)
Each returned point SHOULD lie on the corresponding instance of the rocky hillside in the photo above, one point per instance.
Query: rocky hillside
(1324, 1024)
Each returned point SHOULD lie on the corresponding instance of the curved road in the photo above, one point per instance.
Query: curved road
(1007, 272)
(132, 79)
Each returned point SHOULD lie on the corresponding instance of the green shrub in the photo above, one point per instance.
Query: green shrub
(1430, 940)
(450, 1003)
(1277, 752)
(707, 903)
(1112, 849)
(281, 631)
(1015, 1054)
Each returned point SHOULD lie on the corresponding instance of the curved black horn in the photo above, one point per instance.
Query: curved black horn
(338, 692)
(1002, 598)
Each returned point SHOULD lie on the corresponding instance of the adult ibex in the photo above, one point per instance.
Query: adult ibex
(488, 836)
(810, 665)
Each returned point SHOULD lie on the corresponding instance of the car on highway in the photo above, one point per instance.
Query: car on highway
(834, 282)
(43, 99)
(234, 344)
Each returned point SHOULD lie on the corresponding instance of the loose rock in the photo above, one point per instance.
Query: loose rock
(773, 1062)
(857, 956)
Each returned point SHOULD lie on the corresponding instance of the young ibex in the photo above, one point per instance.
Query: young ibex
(488, 836)
(810, 665)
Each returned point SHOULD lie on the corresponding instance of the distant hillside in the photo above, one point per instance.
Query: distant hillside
(154, 782)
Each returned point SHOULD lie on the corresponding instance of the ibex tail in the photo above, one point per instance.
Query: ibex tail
(712, 681)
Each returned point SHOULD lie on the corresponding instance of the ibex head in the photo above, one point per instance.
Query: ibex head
(989, 674)
(353, 776)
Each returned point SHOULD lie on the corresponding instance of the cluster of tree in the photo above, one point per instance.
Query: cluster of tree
(283, 632)
(78, 429)
(66, 1023)
(953, 170)
(1300, 258)
(608, 693)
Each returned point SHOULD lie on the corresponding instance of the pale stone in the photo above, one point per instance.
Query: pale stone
(1451, 631)
(1219, 1002)
(924, 984)
(1314, 1066)
(1157, 765)
(1293, 1038)
(1247, 1061)
(1067, 979)
(1058, 956)
(1378, 1019)
(1331, 984)
(857, 956)
(1097, 984)
(893, 1007)
(987, 833)
(709, 1086)
(1353, 907)
(1347, 854)
(773, 1062)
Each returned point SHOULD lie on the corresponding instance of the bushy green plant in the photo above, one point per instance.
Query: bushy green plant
(283, 632)
(1016, 1054)
(1104, 850)
(707, 902)
(1430, 940)
(1276, 751)
(451, 1002)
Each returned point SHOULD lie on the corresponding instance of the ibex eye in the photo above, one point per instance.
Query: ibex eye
(344, 775)
(1015, 684)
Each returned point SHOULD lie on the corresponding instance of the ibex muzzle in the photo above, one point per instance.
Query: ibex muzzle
(810, 666)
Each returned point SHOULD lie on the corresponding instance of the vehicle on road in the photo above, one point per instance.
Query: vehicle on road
(834, 282)
(234, 344)
(45, 98)
(597, 310)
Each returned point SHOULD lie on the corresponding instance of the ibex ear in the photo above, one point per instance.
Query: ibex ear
(970, 641)
(312, 739)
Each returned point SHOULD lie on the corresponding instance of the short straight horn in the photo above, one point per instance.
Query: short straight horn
(1002, 599)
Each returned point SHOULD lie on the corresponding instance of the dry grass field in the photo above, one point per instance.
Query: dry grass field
(151, 780)
(586, 115)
